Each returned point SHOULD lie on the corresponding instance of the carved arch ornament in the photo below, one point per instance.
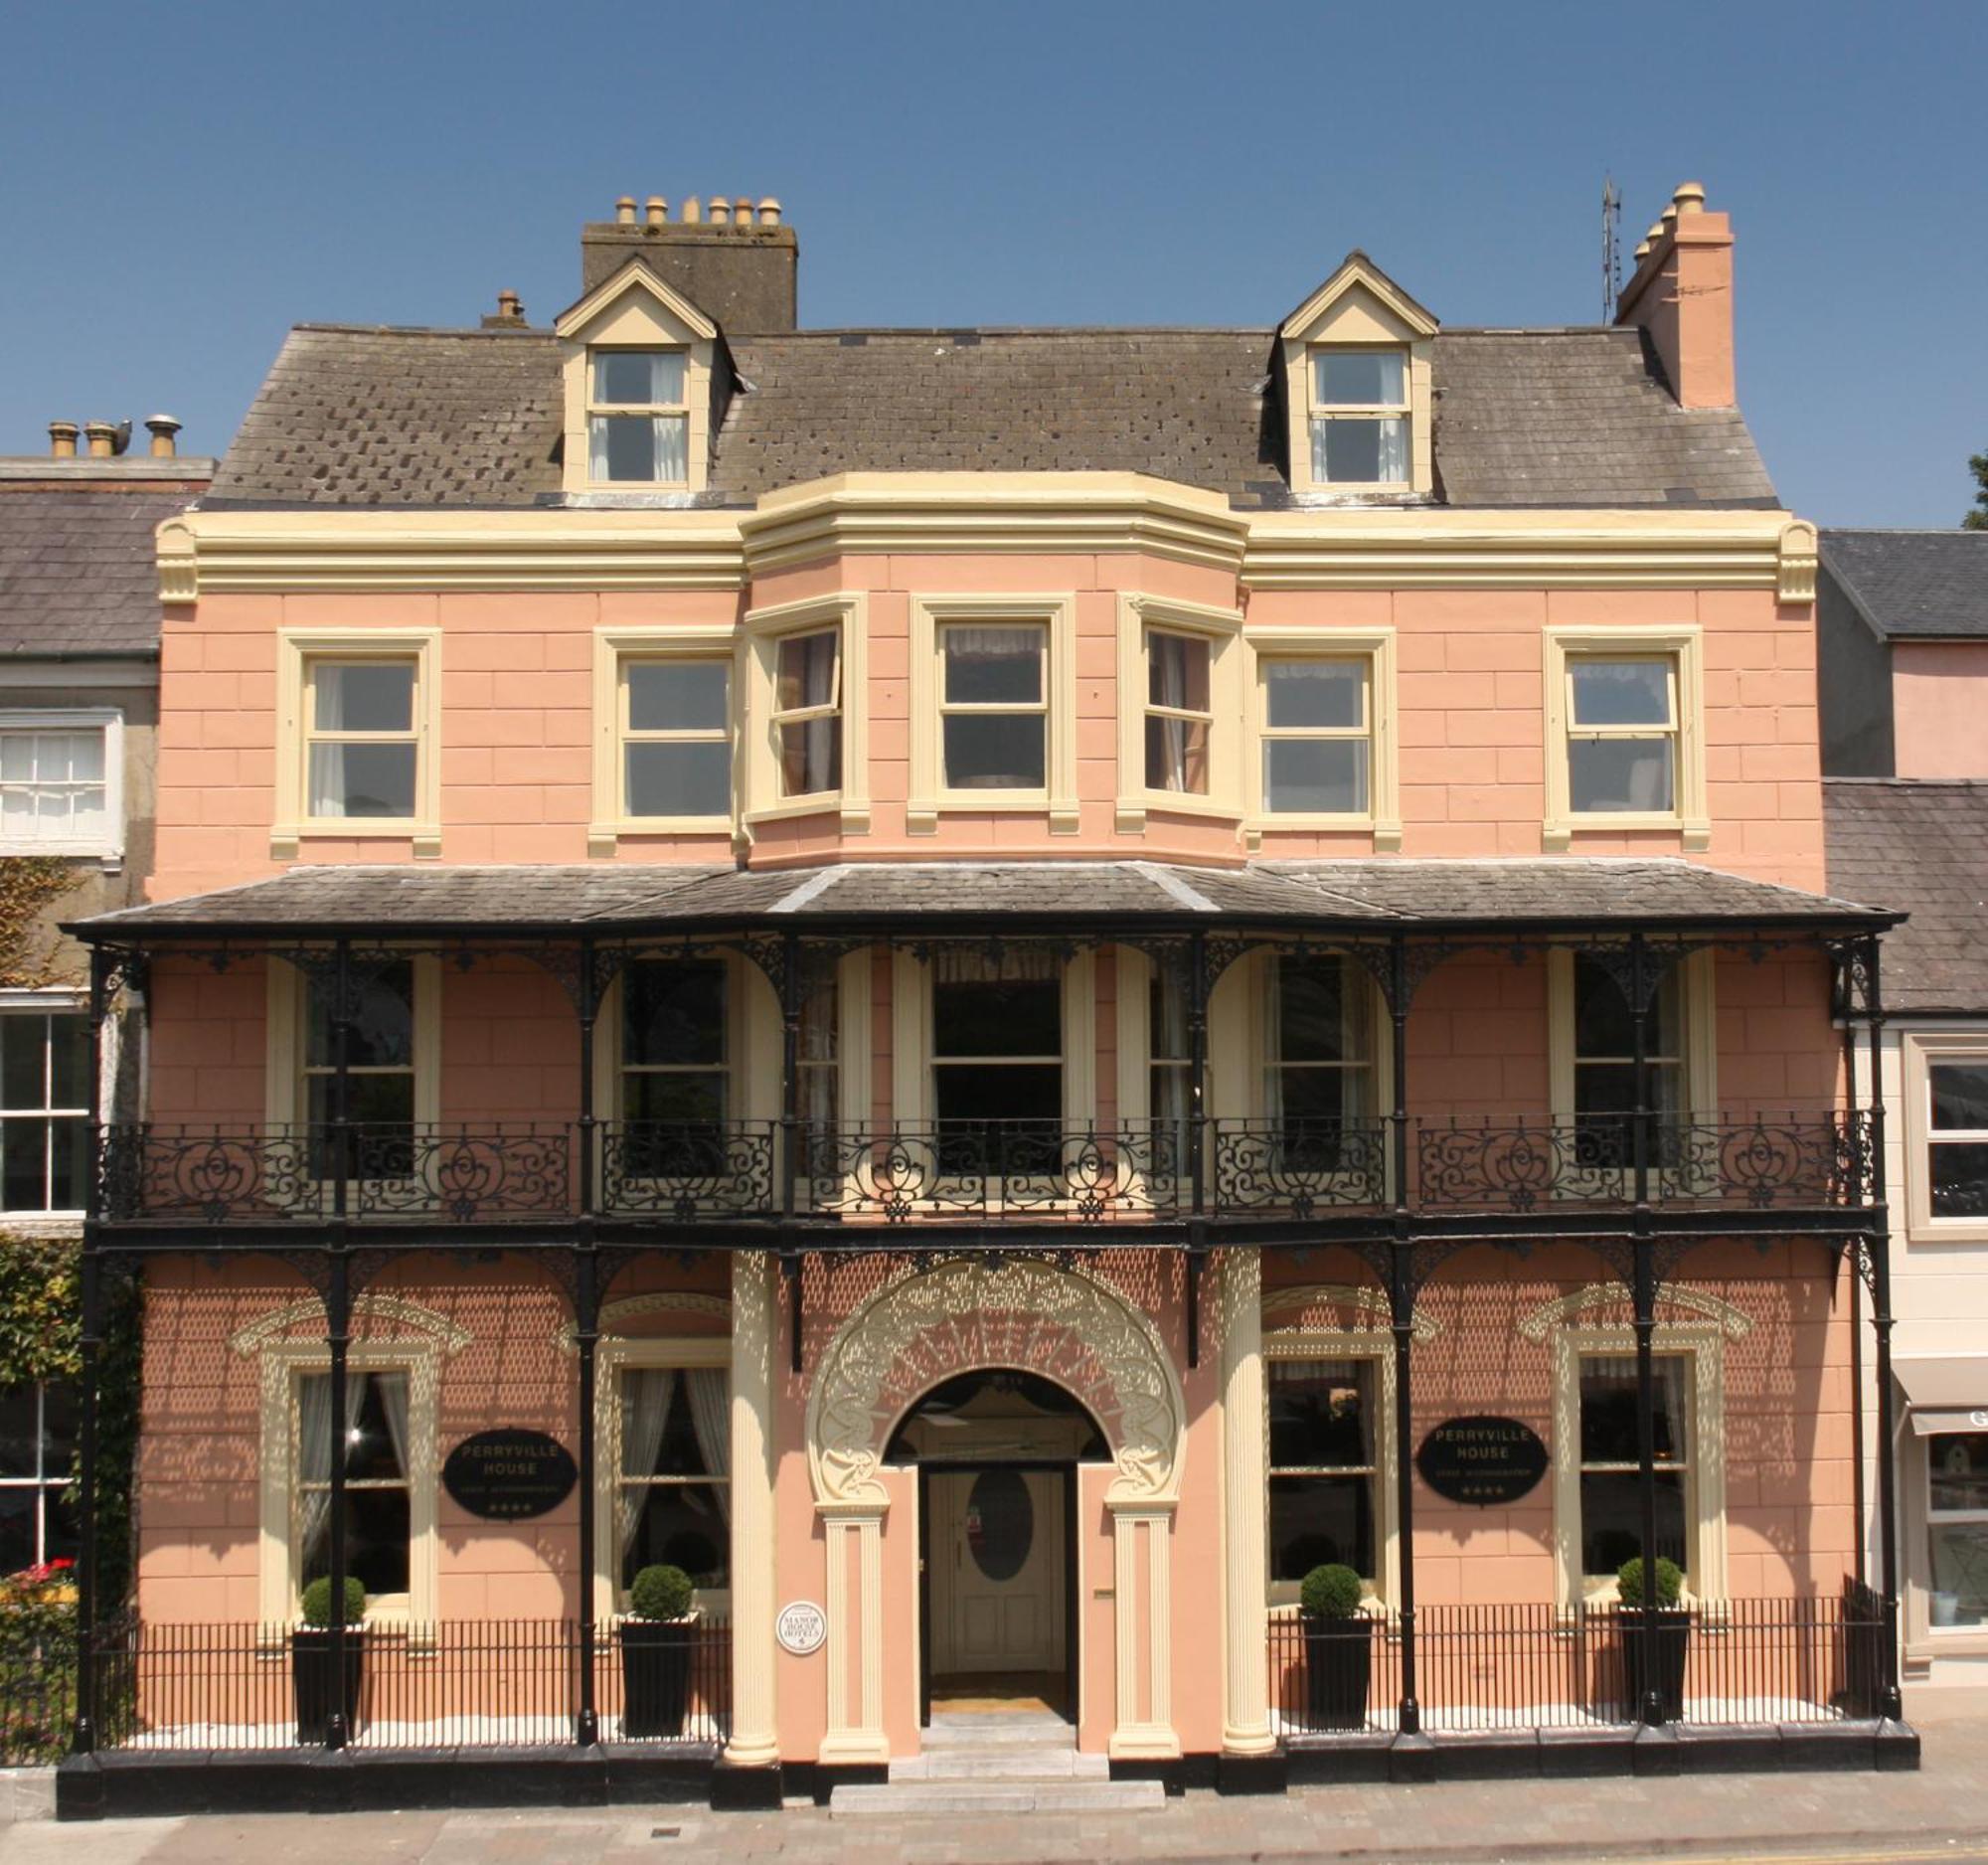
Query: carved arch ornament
(615, 1315)
(413, 1316)
(927, 1327)
(1537, 1325)
(1366, 1309)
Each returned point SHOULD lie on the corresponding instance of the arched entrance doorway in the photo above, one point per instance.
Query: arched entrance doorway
(996, 1450)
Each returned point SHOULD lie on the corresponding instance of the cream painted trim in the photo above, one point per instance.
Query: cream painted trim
(447, 1335)
(1800, 556)
(1538, 1324)
(615, 1355)
(755, 1329)
(1221, 628)
(1376, 646)
(930, 797)
(108, 847)
(295, 648)
(854, 1540)
(684, 320)
(1375, 1317)
(1691, 817)
(1920, 1048)
(1704, 1476)
(612, 648)
(615, 1315)
(284, 1100)
(1151, 1737)
(1359, 274)
(848, 611)
(1699, 974)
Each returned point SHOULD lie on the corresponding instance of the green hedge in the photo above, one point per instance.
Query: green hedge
(37, 1681)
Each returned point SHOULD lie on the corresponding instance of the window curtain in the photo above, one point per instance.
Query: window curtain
(645, 1411)
(992, 643)
(393, 1391)
(1394, 451)
(709, 1390)
(328, 787)
(313, 1466)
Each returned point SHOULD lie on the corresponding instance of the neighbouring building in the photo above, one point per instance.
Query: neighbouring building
(78, 715)
(1904, 630)
(996, 989)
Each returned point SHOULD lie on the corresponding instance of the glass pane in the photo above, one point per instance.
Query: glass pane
(812, 757)
(17, 1529)
(1000, 1523)
(17, 756)
(993, 666)
(1324, 776)
(69, 1162)
(1012, 1017)
(383, 1025)
(1360, 452)
(685, 779)
(59, 1429)
(675, 1098)
(1357, 378)
(1319, 1520)
(1321, 1011)
(1608, 1408)
(378, 1414)
(1959, 1570)
(805, 675)
(19, 1432)
(1620, 692)
(1299, 693)
(638, 378)
(820, 993)
(364, 696)
(674, 1012)
(994, 750)
(85, 755)
(1321, 1413)
(1959, 1095)
(1005, 1093)
(677, 695)
(683, 1524)
(1311, 1100)
(23, 1060)
(1177, 755)
(1957, 1473)
(69, 1061)
(1614, 775)
(375, 1542)
(1959, 1175)
(1177, 671)
(24, 1168)
(362, 781)
(1611, 1521)
(625, 446)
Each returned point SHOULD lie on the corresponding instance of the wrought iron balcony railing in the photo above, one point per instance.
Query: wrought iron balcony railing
(689, 1170)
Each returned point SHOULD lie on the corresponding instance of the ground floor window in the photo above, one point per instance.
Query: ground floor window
(36, 1450)
(1612, 1506)
(673, 1497)
(1957, 1521)
(376, 1499)
(1323, 1467)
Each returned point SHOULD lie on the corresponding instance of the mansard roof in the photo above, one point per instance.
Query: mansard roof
(1552, 418)
(1912, 584)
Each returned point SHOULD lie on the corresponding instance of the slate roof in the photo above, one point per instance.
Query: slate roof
(77, 571)
(1912, 584)
(354, 416)
(917, 896)
(1918, 844)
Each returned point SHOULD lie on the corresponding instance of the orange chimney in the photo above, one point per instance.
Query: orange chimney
(1682, 295)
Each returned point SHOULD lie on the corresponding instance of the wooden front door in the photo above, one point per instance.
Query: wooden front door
(996, 1571)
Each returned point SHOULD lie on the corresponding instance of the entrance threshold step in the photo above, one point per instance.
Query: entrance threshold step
(979, 1733)
(996, 1797)
(1001, 1762)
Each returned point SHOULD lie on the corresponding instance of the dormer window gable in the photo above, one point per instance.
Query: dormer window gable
(639, 361)
(1356, 357)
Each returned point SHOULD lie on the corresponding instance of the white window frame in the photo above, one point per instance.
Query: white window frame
(1320, 412)
(598, 410)
(758, 695)
(109, 847)
(42, 1004)
(1139, 616)
(1685, 646)
(297, 650)
(613, 651)
(41, 1485)
(1702, 1346)
(1376, 1346)
(1055, 615)
(1374, 647)
(1922, 1051)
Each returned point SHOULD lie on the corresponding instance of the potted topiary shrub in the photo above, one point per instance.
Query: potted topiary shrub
(310, 1658)
(1339, 1649)
(656, 1642)
(1653, 1658)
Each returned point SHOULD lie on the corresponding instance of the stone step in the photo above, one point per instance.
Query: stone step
(1002, 1761)
(997, 1732)
(954, 1798)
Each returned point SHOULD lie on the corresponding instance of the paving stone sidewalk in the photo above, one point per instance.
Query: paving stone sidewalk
(1940, 1811)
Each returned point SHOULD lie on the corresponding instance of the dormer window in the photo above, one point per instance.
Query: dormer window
(638, 420)
(1360, 416)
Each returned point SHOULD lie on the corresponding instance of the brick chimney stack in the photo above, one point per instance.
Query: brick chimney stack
(736, 262)
(1682, 295)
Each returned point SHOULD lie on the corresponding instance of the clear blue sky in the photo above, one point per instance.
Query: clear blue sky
(179, 183)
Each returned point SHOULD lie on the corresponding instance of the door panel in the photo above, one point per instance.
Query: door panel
(997, 1571)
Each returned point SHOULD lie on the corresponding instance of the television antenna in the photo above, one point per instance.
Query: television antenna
(1611, 248)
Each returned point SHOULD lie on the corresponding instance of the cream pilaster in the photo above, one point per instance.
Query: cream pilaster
(855, 1537)
(1142, 1589)
(754, 1739)
(1246, 1716)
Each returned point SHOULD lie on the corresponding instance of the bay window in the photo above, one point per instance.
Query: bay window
(807, 712)
(1180, 716)
(994, 705)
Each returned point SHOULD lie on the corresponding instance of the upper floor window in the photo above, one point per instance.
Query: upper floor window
(58, 783)
(1360, 416)
(1621, 735)
(1180, 714)
(1957, 1137)
(997, 1062)
(676, 1063)
(675, 738)
(361, 742)
(994, 705)
(1318, 736)
(1319, 1043)
(638, 420)
(44, 1109)
(1604, 1056)
(808, 711)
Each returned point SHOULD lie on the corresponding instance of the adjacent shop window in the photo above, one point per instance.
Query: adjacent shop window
(1622, 734)
(1611, 1489)
(1180, 717)
(1323, 1465)
(44, 1109)
(1957, 1137)
(997, 1062)
(1604, 1063)
(637, 420)
(672, 1496)
(380, 1069)
(808, 711)
(1957, 1521)
(37, 1453)
(1360, 416)
(377, 1499)
(676, 737)
(361, 742)
(1318, 736)
(58, 783)
(994, 705)
(1318, 1060)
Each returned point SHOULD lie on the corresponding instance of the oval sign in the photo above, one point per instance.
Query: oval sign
(801, 1627)
(509, 1474)
(1482, 1462)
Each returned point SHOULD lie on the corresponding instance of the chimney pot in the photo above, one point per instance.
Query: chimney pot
(721, 211)
(162, 429)
(693, 213)
(1642, 251)
(769, 211)
(656, 211)
(1690, 197)
(742, 212)
(61, 439)
(624, 211)
(102, 438)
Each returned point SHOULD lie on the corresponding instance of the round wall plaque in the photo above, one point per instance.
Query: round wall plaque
(509, 1474)
(801, 1627)
(1482, 1462)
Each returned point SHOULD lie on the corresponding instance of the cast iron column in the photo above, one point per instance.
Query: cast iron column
(1197, 1079)
(1645, 1298)
(1891, 1704)
(83, 1735)
(790, 1069)
(589, 1003)
(338, 1326)
(1402, 1310)
(587, 1338)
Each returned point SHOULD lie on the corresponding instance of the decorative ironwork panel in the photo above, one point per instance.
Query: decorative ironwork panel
(461, 1175)
(688, 1169)
(1295, 1167)
(190, 1176)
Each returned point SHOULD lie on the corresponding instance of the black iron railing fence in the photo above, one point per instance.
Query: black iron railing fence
(512, 1683)
(1539, 1666)
(691, 1171)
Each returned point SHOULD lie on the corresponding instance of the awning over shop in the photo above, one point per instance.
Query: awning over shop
(1945, 1392)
